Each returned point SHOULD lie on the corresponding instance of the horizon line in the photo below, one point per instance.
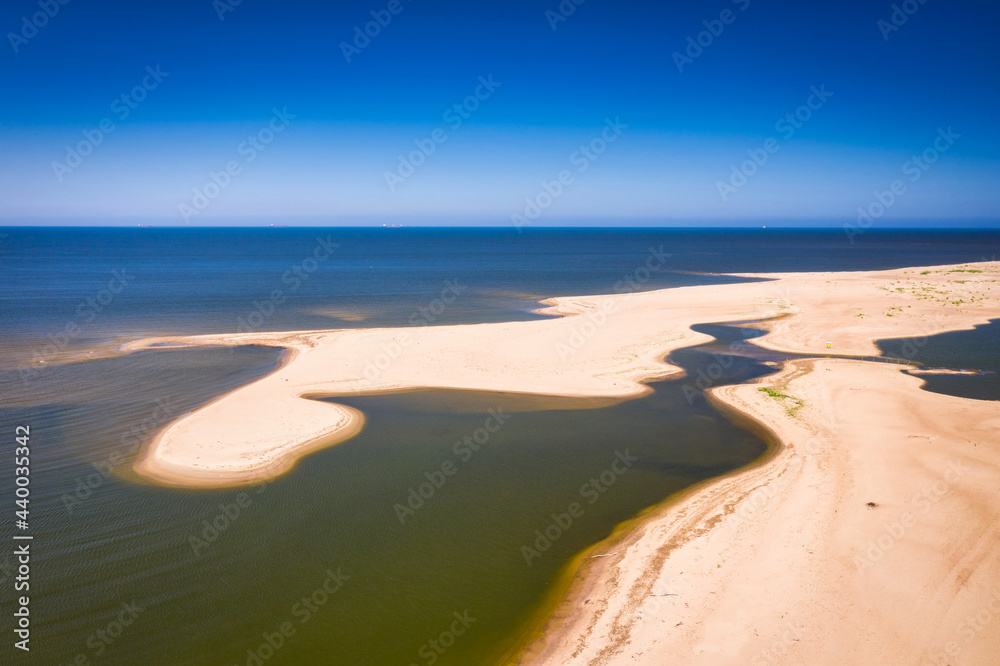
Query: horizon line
(873, 228)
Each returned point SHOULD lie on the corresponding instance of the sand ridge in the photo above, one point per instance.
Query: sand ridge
(602, 346)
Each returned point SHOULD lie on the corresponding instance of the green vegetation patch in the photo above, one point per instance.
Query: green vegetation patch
(778, 395)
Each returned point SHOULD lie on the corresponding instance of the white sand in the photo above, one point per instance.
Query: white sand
(769, 565)
(786, 563)
(605, 346)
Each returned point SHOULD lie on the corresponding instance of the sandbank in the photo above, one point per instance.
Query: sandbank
(598, 346)
(868, 535)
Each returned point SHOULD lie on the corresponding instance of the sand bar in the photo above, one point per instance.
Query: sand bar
(603, 346)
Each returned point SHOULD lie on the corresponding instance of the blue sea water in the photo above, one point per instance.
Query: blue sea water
(68, 288)
(212, 595)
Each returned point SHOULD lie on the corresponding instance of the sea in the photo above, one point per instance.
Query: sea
(450, 528)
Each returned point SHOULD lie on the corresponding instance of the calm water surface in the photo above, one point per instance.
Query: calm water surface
(408, 572)
(209, 594)
(977, 349)
(225, 280)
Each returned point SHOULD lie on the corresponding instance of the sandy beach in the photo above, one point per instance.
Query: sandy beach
(870, 535)
(788, 563)
(601, 346)
(564, 333)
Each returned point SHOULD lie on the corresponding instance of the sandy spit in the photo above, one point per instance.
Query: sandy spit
(601, 346)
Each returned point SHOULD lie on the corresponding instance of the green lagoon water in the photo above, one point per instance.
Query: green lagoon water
(401, 574)
(210, 596)
(104, 539)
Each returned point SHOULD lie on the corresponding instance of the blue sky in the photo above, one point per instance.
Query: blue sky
(267, 92)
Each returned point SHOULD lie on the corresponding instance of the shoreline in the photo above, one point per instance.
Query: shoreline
(630, 337)
(712, 525)
(586, 576)
(164, 474)
(602, 346)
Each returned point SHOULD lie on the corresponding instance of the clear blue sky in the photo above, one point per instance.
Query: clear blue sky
(220, 81)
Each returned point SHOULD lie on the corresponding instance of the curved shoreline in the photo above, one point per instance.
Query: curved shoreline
(603, 346)
(165, 474)
(623, 342)
(797, 525)
(585, 576)
(159, 471)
